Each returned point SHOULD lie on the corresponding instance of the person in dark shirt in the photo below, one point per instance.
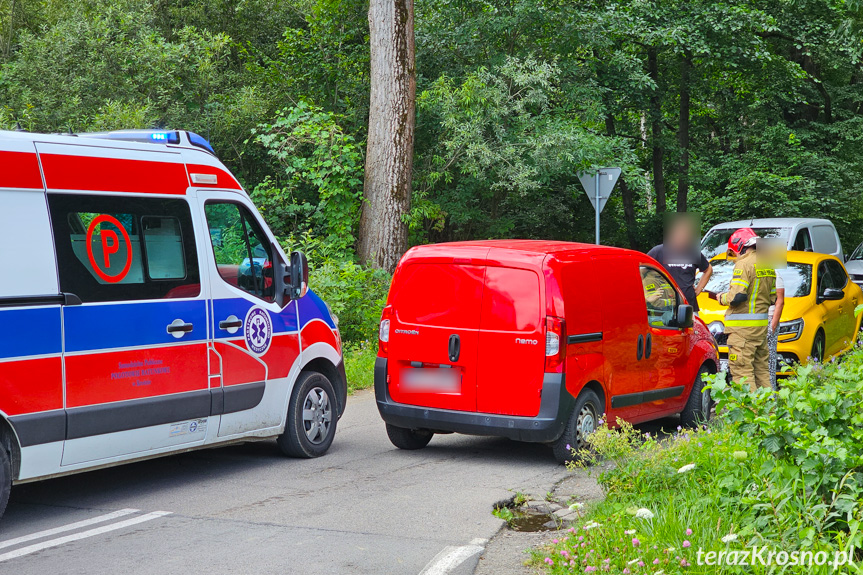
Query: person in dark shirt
(679, 254)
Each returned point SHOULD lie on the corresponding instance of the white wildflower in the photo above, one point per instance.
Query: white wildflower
(629, 532)
(591, 525)
(729, 538)
(687, 467)
(575, 506)
(634, 561)
(644, 513)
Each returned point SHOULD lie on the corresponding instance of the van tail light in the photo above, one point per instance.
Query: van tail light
(555, 345)
(384, 332)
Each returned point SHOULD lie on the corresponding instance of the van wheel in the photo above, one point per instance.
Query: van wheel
(582, 422)
(697, 409)
(312, 419)
(408, 438)
(5, 479)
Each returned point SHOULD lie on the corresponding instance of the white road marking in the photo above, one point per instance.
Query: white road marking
(82, 535)
(64, 528)
(452, 557)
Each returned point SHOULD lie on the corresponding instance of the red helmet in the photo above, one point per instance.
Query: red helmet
(742, 238)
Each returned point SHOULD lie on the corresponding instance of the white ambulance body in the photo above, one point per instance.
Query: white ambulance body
(147, 309)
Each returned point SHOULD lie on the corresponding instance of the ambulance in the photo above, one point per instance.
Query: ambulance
(146, 309)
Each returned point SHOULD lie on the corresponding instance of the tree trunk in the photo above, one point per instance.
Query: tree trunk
(389, 156)
(657, 148)
(683, 133)
(626, 192)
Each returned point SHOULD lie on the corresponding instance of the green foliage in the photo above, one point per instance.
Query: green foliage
(813, 429)
(356, 294)
(323, 167)
(781, 469)
(360, 364)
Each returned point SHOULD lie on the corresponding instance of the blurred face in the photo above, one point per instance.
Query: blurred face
(681, 233)
(771, 253)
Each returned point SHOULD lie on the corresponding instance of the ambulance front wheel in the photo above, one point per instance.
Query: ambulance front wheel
(312, 418)
(5, 479)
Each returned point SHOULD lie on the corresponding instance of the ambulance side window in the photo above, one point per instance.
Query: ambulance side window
(112, 248)
(660, 297)
(241, 249)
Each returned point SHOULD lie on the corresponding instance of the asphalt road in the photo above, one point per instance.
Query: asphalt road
(365, 507)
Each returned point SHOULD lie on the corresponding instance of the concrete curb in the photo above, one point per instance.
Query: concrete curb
(456, 560)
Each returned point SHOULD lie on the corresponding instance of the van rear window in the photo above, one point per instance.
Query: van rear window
(441, 295)
(510, 301)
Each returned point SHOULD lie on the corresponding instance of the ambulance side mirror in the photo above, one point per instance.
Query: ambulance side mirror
(299, 274)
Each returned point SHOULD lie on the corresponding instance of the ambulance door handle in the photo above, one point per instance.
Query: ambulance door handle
(227, 324)
(648, 346)
(639, 349)
(178, 328)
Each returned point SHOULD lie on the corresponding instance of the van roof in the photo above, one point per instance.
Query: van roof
(526, 246)
(770, 223)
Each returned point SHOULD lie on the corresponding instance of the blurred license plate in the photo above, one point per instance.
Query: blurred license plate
(421, 380)
(723, 364)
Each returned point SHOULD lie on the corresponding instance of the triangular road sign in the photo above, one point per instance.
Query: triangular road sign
(607, 179)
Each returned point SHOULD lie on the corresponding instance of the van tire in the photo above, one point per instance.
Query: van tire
(697, 408)
(312, 392)
(408, 438)
(582, 421)
(5, 479)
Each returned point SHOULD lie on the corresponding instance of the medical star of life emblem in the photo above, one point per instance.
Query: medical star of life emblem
(259, 330)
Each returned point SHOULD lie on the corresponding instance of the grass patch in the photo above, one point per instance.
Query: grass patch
(360, 365)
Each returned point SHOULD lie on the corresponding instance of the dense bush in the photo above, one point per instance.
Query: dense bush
(781, 470)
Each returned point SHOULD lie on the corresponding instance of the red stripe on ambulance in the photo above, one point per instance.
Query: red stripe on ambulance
(134, 374)
(19, 170)
(67, 172)
(31, 385)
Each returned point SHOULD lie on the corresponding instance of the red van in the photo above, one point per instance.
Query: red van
(535, 340)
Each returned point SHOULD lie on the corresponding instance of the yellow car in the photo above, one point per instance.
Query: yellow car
(818, 318)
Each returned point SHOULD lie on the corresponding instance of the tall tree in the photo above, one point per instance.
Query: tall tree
(383, 230)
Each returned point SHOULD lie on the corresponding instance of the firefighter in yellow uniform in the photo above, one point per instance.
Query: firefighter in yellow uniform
(659, 293)
(750, 294)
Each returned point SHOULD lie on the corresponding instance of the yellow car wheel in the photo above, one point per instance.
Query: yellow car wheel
(818, 346)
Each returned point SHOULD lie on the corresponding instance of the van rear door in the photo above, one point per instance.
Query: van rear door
(433, 333)
(511, 342)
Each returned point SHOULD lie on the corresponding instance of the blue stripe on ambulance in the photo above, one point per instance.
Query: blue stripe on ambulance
(98, 327)
(30, 332)
(283, 322)
(313, 307)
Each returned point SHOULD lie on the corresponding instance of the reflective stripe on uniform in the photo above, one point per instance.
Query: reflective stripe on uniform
(746, 322)
(743, 283)
(746, 319)
(754, 295)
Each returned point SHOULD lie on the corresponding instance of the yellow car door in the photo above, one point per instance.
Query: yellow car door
(831, 309)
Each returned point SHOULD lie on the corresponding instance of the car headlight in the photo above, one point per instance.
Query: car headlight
(793, 328)
(716, 328)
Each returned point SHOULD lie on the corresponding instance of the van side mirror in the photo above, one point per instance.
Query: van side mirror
(684, 316)
(299, 273)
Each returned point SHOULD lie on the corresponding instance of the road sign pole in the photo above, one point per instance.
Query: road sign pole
(597, 209)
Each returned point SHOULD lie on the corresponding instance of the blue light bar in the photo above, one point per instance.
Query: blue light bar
(201, 142)
(141, 136)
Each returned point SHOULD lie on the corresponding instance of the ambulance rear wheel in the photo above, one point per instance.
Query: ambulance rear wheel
(312, 418)
(408, 438)
(582, 422)
(5, 479)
